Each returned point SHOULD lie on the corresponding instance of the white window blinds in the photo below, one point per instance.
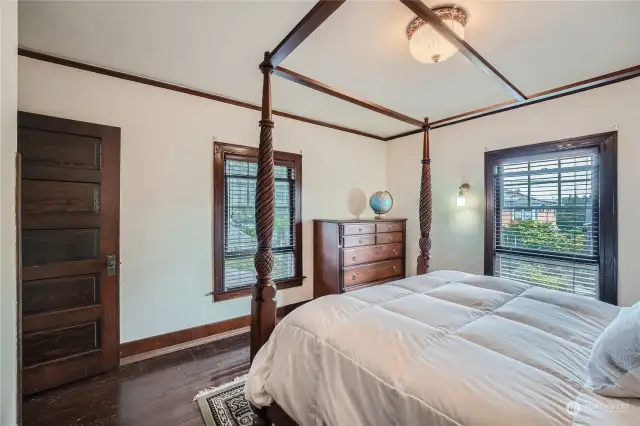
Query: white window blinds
(240, 242)
(547, 220)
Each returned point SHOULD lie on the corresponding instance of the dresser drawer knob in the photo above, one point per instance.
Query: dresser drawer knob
(359, 229)
(394, 268)
(395, 251)
(390, 227)
(359, 241)
(353, 258)
(390, 238)
(353, 277)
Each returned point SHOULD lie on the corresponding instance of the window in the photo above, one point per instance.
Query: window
(235, 242)
(550, 215)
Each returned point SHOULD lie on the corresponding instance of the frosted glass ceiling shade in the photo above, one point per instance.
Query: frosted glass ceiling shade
(426, 45)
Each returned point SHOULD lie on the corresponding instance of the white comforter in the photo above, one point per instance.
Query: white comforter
(442, 349)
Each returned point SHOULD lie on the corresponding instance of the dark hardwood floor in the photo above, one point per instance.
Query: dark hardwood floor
(155, 392)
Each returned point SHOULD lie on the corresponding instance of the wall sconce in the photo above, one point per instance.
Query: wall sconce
(462, 195)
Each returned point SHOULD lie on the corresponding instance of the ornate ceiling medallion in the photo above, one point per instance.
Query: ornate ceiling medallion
(426, 45)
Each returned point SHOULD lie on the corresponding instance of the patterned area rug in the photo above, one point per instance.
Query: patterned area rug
(225, 405)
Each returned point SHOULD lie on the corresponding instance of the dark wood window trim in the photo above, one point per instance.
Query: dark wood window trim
(608, 223)
(222, 151)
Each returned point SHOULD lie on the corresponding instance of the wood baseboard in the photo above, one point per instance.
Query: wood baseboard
(162, 344)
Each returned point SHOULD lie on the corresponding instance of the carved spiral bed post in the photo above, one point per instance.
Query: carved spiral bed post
(263, 292)
(425, 204)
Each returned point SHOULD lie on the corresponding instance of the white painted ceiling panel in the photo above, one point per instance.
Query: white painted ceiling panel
(540, 45)
(363, 49)
(215, 46)
(210, 46)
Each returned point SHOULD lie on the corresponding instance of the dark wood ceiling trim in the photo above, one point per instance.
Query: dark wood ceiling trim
(403, 134)
(569, 89)
(181, 89)
(427, 15)
(321, 87)
(311, 21)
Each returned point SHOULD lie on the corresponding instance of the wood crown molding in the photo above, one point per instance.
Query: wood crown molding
(569, 89)
(558, 92)
(45, 57)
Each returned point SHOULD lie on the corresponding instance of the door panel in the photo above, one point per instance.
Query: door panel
(49, 147)
(47, 197)
(60, 293)
(49, 345)
(70, 223)
(46, 246)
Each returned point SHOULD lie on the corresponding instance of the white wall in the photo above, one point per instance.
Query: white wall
(458, 157)
(166, 186)
(8, 125)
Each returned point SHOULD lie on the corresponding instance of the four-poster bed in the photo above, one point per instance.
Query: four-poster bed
(491, 296)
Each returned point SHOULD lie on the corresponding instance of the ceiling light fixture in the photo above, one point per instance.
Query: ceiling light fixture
(426, 45)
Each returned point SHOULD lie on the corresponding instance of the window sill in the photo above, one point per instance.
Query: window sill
(246, 291)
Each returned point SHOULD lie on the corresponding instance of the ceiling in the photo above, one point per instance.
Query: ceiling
(362, 49)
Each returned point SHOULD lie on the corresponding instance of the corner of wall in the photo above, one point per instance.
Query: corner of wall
(8, 145)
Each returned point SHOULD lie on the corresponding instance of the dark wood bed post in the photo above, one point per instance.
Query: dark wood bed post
(425, 204)
(263, 292)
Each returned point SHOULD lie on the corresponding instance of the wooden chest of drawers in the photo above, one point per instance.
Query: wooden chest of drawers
(353, 254)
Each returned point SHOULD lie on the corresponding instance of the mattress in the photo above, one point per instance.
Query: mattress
(442, 349)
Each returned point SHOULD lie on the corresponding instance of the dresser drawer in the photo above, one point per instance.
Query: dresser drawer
(373, 272)
(389, 227)
(391, 237)
(359, 240)
(365, 285)
(358, 228)
(357, 256)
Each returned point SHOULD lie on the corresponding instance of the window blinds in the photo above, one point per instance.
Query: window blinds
(547, 220)
(240, 242)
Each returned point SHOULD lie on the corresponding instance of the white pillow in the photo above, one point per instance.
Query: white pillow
(614, 365)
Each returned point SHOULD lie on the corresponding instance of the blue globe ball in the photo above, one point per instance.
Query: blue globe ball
(381, 202)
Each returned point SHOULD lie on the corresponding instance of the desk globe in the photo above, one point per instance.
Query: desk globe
(381, 203)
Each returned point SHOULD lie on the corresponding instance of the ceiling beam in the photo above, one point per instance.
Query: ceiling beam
(569, 89)
(429, 16)
(311, 21)
(321, 87)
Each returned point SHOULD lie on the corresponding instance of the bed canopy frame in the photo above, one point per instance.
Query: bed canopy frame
(263, 302)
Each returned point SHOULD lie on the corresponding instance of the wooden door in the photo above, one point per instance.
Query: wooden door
(70, 206)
